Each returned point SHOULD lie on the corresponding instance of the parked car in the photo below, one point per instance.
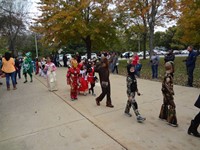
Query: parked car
(185, 52)
(176, 52)
(141, 54)
(93, 56)
(127, 54)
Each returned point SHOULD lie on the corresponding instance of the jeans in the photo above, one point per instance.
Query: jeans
(12, 75)
(154, 71)
(190, 71)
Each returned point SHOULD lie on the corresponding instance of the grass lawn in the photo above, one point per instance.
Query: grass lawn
(180, 75)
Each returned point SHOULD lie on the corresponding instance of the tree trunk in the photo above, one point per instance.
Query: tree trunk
(151, 38)
(144, 44)
(88, 43)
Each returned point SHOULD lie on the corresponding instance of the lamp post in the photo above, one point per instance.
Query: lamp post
(36, 47)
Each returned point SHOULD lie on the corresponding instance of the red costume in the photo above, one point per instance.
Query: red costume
(83, 81)
(135, 60)
(73, 79)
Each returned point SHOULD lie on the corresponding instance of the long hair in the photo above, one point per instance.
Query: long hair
(7, 56)
(105, 62)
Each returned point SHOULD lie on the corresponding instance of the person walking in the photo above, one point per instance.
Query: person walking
(190, 65)
(8, 67)
(103, 70)
(192, 130)
(28, 67)
(131, 92)
(51, 75)
(168, 108)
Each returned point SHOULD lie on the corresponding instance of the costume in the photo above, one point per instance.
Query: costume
(73, 79)
(131, 90)
(91, 79)
(51, 76)
(103, 71)
(27, 66)
(83, 88)
(168, 111)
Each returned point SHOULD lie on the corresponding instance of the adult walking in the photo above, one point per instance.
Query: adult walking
(195, 122)
(103, 70)
(8, 67)
(190, 65)
(27, 67)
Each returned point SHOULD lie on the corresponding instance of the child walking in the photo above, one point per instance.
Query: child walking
(131, 92)
(168, 111)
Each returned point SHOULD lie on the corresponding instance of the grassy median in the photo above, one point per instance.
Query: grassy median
(180, 76)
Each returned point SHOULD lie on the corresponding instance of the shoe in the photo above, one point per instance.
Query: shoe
(110, 105)
(192, 130)
(93, 94)
(173, 125)
(128, 114)
(31, 81)
(140, 119)
(97, 102)
(25, 81)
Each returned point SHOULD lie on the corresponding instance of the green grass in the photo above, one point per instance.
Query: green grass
(180, 75)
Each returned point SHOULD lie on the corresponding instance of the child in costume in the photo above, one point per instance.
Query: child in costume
(27, 66)
(91, 77)
(73, 79)
(83, 80)
(168, 111)
(131, 91)
(51, 75)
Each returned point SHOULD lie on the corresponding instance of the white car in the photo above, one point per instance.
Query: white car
(93, 56)
(125, 54)
(185, 52)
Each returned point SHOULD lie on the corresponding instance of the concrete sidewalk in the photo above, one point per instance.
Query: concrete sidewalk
(32, 118)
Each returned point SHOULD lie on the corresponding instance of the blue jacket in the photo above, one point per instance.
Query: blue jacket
(190, 62)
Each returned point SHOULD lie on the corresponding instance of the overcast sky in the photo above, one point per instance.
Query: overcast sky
(34, 11)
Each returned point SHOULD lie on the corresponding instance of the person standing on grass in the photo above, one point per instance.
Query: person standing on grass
(8, 67)
(154, 65)
(190, 65)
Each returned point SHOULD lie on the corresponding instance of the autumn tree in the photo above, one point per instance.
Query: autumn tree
(149, 13)
(63, 21)
(189, 22)
(12, 18)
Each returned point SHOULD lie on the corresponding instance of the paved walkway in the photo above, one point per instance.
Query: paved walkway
(32, 118)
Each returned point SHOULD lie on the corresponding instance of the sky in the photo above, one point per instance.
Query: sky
(35, 12)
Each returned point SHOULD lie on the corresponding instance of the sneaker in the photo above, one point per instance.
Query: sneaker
(140, 118)
(128, 114)
(173, 125)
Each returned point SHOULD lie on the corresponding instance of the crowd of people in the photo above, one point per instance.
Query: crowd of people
(81, 78)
